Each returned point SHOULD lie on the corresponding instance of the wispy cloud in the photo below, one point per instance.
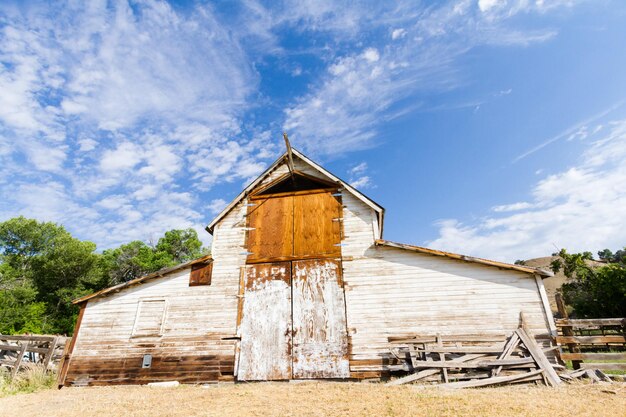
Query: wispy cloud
(572, 131)
(358, 178)
(361, 90)
(109, 109)
(576, 209)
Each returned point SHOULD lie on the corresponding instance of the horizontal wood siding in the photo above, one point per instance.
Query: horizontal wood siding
(196, 342)
(394, 292)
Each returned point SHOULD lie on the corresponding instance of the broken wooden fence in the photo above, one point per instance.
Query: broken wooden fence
(40, 349)
(462, 361)
(593, 343)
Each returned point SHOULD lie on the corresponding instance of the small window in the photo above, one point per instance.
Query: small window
(200, 274)
(150, 318)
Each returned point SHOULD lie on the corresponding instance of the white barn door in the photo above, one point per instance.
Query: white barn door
(265, 352)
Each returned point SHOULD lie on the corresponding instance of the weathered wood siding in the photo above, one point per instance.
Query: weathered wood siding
(395, 292)
(193, 345)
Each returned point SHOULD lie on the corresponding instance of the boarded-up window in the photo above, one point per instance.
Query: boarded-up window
(150, 317)
(200, 274)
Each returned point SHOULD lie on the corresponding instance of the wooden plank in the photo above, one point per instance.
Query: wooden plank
(320, 337)
(510, 346)
(543, 363)
(266, 323)
(595, 356)
(567, 331)
(604, 366)
(590, 340)
(442, 358)
(590, 323)
(428, 372)
(29, 338)
(492, 381)
(271, 228)
(314, 231)
(50, 353)
(69, 347)
(18, 360)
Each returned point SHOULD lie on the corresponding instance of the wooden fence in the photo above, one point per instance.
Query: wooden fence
(587, 341)
(593, 343)
(40, 349)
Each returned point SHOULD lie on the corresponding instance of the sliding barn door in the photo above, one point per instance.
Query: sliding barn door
(266, 323)
(320, 340)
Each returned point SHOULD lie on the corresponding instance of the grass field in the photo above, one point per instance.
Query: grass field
(321, 399)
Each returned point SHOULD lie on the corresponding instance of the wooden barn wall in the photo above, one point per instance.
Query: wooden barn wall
(394, 292)
(200, 322)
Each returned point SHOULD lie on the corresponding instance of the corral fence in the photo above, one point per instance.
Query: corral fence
(45, 350)
(591, 343)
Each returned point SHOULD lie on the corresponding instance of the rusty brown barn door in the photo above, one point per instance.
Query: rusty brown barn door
(293, 322)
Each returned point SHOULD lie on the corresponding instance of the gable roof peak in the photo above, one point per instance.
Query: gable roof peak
(283, 160)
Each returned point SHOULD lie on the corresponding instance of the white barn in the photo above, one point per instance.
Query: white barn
(299, 284)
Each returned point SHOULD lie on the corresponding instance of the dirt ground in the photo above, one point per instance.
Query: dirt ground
(321, 399)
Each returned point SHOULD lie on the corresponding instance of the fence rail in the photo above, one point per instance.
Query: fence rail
(42, 349)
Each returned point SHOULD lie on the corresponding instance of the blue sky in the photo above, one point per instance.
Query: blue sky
(492, 128)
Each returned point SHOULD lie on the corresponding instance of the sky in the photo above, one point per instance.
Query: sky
(492, 128)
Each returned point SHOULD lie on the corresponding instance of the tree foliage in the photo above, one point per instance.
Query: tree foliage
(43, 268)
(593, 291)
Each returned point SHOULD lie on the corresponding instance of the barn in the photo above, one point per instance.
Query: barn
(300, 284)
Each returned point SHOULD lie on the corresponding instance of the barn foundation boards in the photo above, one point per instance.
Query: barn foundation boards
(299, 285)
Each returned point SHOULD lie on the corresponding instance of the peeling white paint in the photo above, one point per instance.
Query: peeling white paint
(266, 325)
(320, 343)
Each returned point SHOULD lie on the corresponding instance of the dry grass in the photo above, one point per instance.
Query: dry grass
(30, 378)
(322, 399)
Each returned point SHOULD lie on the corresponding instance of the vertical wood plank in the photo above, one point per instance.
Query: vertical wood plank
(317, 225)
(266, 323)
(69, 347)
(270, 233)
(320, 339)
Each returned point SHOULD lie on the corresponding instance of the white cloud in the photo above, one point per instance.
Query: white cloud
(398, 33)
(358, 178)
(217, 205)
(579, 209)
(363, 89)
(512, 207)
(486, 5)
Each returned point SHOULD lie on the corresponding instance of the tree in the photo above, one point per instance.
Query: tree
(130, 261)
(593, 292)
(181, 245)
(136, 258)
(43, 268)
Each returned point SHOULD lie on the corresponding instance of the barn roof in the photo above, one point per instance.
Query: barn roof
(158, 274)
(380, 211)
(503, 265)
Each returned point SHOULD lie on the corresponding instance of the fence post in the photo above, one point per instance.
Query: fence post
(567, 330)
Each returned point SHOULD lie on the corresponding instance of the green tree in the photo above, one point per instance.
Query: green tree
(43, 269)
(132, 260)
(181, 245)
(136, 258)
(593, 292)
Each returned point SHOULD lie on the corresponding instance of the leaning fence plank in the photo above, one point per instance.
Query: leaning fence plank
(18, 360)
(539, 357)
(510, 346)
(492, 380)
